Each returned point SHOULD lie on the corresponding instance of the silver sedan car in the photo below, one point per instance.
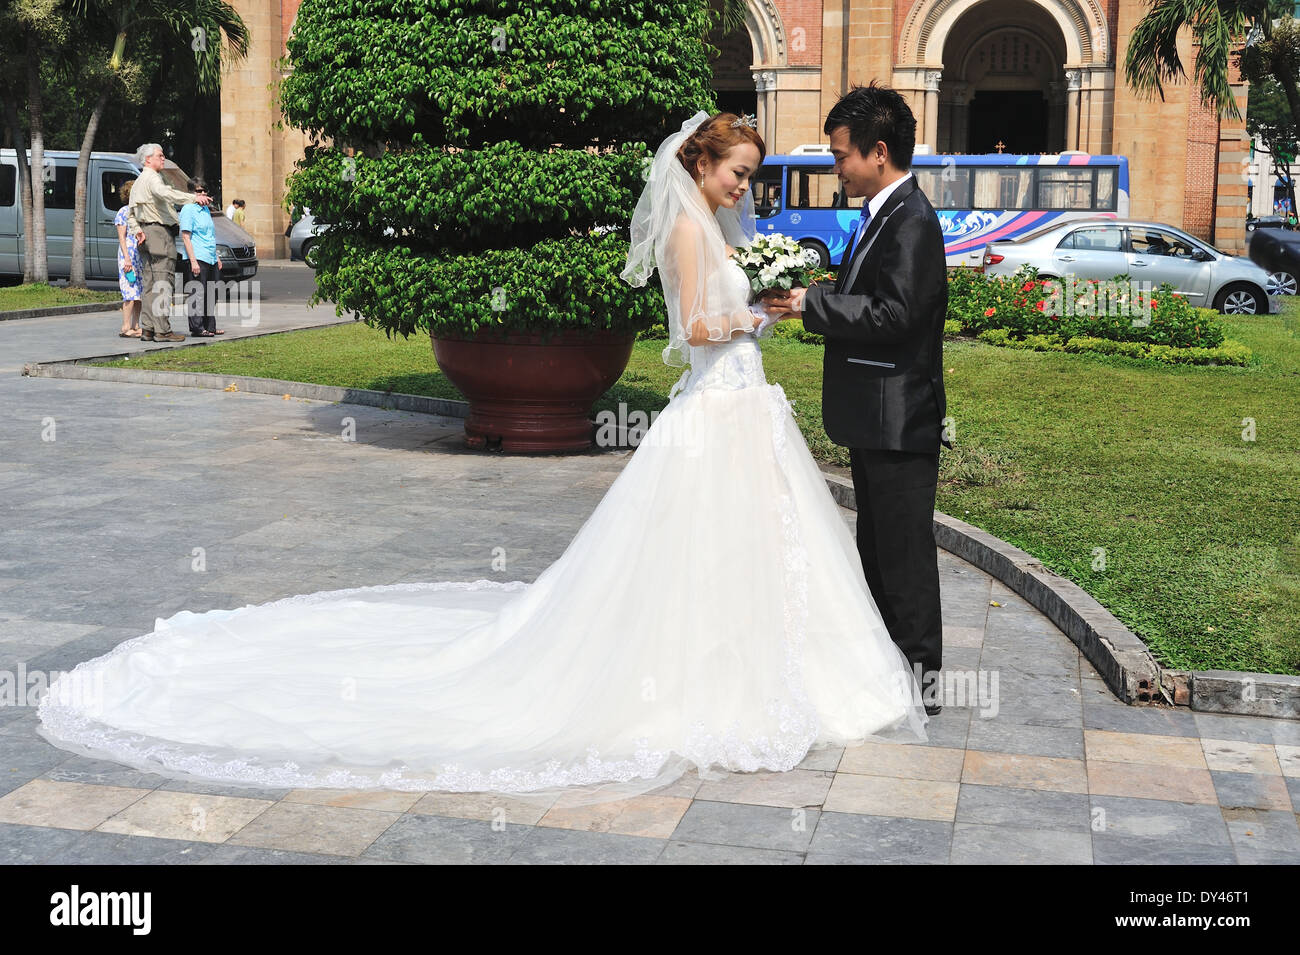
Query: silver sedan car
(1101, 248)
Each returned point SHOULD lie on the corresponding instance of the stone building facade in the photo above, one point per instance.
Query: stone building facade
(1033, 75)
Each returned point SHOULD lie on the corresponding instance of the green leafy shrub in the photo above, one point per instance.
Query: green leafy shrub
(478, 161)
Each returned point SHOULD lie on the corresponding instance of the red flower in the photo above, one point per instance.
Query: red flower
(988, 312)
(1027, 286)
(1040, 305)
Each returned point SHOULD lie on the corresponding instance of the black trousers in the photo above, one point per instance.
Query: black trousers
(200, 301)
(895, 493)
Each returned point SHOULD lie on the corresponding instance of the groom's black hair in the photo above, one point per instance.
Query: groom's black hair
(874, 114)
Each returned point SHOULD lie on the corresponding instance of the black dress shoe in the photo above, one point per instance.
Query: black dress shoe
(933, 709)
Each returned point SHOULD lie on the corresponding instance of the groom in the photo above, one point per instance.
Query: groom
(882, 392)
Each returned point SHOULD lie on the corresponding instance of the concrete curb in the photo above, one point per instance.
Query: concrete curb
(50, 310)
(393, 401)
(1122, 659)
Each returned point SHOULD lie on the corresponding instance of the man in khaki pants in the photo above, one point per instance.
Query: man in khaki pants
(151, 215)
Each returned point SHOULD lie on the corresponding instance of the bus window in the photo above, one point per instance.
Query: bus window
(1105, 197)
(947, 187)
(1003, 188)
(1064, 187)
(767, 191)
(816, 188)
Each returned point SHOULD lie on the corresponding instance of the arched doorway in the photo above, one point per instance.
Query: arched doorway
(1034, 75)
(1003, 61)
(733, 74)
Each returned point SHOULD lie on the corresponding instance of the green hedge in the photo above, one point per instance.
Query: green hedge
(565, 283)
(1229, 353)
(481, 159)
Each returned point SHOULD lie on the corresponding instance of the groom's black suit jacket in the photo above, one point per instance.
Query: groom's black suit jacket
(882, 384)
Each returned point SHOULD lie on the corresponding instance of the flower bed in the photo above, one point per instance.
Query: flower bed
(1115, 316)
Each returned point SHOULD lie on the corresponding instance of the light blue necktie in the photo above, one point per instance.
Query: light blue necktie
(864, 220)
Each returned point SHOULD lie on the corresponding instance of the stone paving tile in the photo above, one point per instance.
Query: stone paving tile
(890, 796)
(102, 772)
(355, 799)
(108, 848)
(1293, 787)
(655, 817)
(185, 816)
(757, 827)
(827, 759)
(1110, 849)
(798, 787)
(562, 846)
(1251, 791)
(506, 810)
(1014, 771)
(1002, 845)
(1255, 829)
(1178, 783)
(438, 840)
(32, 845)
(43, 802)
(994, 736)
(1236, 756)
(1288, 758)
(843, 838)
(1244, 728)
(907, 762)
(698, 853)
(1023, 808)
(1158, 819)
(1148, 749)
(1140, 719)
(305, 828)
(247, 855)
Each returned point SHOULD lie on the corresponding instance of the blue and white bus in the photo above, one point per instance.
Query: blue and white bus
(979, 198)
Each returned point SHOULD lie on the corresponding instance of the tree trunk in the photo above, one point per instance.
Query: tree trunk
(36, 120)
(77, 270)
(24, 183)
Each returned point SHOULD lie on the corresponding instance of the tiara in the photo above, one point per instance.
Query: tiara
(746, 119)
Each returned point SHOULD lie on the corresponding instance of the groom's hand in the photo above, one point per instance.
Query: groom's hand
(783, 301)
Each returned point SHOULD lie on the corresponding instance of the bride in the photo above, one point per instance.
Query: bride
(711, 614)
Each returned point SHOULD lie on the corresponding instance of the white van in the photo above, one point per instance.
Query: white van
(107, 172)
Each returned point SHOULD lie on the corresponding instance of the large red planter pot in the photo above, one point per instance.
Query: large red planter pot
(526, 394)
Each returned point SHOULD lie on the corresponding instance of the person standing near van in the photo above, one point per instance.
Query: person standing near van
(199, 240)
(130, 271)
(152, 219)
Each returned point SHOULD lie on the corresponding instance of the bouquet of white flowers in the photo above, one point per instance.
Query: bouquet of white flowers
(776, 261)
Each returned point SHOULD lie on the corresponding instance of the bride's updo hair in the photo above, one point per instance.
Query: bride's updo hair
(714, 138)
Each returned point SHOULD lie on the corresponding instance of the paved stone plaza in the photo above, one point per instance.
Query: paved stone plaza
(100, 537)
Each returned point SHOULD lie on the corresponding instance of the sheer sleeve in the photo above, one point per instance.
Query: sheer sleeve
(703, 306)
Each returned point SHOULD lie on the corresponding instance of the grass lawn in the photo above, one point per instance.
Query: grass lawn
(1133, 480)
(17, 297)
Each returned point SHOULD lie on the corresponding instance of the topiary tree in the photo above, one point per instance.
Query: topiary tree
(486, 157)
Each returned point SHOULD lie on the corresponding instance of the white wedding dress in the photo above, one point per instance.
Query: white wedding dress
(711, 613)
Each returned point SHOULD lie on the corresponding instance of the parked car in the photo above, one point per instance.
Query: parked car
(302, 234)
(106, 173)
(1099, 248)
(1268, 222)
(1277, 251)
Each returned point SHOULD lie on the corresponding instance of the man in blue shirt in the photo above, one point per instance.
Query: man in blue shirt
(199, 240)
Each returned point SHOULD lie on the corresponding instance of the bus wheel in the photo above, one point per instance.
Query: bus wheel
(823, 256)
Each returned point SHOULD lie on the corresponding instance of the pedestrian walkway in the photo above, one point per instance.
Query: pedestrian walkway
(125, 503)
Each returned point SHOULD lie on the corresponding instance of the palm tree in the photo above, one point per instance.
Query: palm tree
(1219, 27)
